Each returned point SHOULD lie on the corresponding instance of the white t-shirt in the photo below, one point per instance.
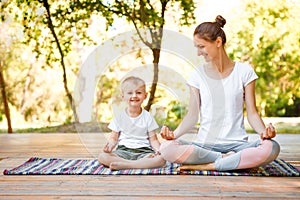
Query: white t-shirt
(222, 103)
(133, 130)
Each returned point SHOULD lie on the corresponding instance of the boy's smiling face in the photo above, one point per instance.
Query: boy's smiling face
(134, 95)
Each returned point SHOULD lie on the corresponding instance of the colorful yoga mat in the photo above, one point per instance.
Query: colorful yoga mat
(55, 166)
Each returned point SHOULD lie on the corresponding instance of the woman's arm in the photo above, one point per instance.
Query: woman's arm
(189, 121)
(253, 117)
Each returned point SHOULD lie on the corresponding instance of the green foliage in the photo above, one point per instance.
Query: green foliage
(267, 36)
(105, 94)
(269, 40)
(51, 40)
(175, 114)
(31, 90)
(37, 92)
(32, 14)
(144, 14)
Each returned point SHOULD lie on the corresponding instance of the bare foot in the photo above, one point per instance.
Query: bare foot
(118, 165)
(224, 155)
(209, 166)
(151, 155)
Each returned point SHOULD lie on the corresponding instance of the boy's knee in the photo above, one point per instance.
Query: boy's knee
(102, 158)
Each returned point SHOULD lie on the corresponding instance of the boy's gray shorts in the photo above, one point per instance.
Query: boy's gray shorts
(132, 154)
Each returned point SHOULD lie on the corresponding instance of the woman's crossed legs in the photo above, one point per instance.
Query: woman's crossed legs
(220, 157)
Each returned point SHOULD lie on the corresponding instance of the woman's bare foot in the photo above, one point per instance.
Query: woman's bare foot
(208, 166)
(224, 155)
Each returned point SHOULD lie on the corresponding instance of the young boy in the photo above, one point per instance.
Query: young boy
(133, 130)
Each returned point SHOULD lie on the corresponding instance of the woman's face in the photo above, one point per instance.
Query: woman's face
(207, 49)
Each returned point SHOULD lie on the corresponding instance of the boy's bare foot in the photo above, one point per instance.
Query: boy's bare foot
(118, 165)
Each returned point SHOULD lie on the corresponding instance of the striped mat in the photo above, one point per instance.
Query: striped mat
(54, 166)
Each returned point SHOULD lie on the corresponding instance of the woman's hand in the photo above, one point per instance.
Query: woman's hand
(269, 133)
(166, 133)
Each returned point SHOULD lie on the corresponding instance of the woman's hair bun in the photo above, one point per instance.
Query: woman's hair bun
(220, 20)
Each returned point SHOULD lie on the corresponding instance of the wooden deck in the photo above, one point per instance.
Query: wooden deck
(17, 148)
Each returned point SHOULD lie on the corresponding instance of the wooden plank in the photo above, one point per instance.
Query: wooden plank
(176, 186)
(17, 148)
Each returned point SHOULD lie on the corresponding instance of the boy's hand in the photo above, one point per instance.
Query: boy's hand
(166, 133)
(110, 145)
(269, 133)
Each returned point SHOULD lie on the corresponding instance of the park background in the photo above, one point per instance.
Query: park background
(44, 44)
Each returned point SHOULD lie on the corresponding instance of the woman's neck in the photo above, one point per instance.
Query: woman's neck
(223, 63)
(220, 68)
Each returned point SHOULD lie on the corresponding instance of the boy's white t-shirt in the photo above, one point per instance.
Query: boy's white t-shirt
(222, 103)
(133, 130)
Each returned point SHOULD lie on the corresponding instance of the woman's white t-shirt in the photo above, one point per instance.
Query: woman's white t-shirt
(133, 130)
(222, 103)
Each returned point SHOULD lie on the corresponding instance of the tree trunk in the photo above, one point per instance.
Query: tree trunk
(4, 98)
(51, 27)
(156, 55)
(25, 89)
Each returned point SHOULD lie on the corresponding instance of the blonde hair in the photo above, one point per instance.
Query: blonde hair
(132, 80)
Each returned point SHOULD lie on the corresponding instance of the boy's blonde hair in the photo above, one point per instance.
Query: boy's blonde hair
(132, 80)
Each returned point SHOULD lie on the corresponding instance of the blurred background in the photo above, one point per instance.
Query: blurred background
(44, 43)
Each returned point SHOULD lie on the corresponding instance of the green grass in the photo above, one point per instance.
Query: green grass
(90, 127)
(282, 128)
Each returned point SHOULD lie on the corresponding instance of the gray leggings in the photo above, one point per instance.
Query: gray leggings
(248, 154)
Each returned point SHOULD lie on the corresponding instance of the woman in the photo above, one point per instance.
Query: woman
(218, 90)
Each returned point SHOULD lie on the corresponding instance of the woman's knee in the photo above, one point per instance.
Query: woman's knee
(175, 151)
(265, 153)
(170, 150)
(166, 147)
(272, 148)
(275, 150)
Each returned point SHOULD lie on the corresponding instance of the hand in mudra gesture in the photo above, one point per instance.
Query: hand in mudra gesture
(269, 133)
(166, 133)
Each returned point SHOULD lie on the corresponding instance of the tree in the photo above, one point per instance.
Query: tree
(37, 16)
(4, 98)
(5, 53)
(268, 38)
(143, 14)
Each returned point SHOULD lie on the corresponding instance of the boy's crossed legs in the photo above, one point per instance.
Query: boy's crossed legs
(126, 158)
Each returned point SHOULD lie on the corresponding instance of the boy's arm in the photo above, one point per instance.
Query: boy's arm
(112, 142)
(154, 142)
